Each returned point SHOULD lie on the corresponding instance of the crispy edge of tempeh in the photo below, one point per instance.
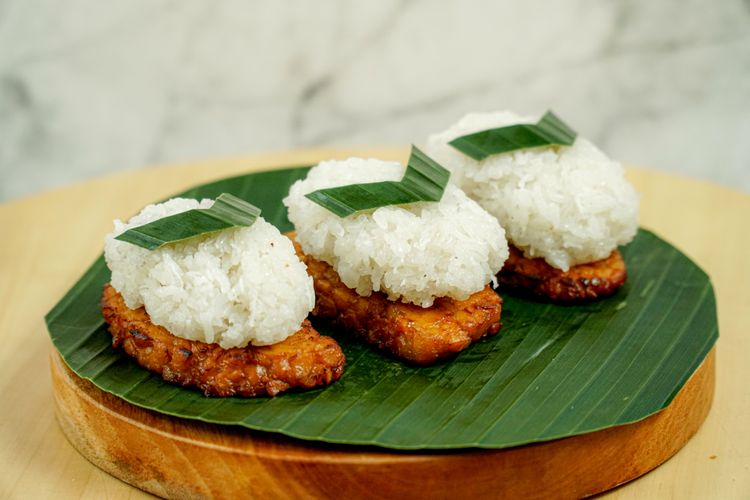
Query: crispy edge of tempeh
(420, 335)
(306, 359)
(584, 282)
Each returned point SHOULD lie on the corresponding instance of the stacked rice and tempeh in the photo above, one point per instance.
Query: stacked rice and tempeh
(410, 279)
(565, 209)
(224, 312)
(227, 312)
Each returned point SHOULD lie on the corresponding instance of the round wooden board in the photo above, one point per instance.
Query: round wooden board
(180, 458)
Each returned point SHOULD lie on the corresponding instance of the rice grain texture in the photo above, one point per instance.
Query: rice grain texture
(413, 253)
(567, 204)
(239, 286)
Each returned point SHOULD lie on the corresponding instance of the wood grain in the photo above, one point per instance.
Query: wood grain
(178, 458)
(49, 239)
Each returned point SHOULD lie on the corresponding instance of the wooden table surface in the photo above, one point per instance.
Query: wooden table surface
(49, 239)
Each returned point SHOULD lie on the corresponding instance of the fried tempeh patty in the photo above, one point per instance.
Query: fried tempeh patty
(420, 335)
(305, 359)
(579, 283)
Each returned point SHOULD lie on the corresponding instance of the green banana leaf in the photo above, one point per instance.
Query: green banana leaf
(552, 371)
(424, 180)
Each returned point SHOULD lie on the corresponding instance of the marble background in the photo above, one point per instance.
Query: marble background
(90, 87)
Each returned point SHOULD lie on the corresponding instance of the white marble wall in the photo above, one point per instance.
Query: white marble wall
(89, 87)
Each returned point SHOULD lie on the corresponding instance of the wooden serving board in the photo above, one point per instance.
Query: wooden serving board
(178, 458)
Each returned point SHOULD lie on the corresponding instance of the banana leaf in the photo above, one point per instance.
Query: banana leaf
(552, 371)
(227, 211)
(549, 130)
(424, 180)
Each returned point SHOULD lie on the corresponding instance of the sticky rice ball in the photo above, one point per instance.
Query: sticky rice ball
(567, 204)
(413, 253)
(236, 287)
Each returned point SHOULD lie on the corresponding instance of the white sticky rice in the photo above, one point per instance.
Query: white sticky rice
(414, 253)
(239, 286)
(569, 205)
